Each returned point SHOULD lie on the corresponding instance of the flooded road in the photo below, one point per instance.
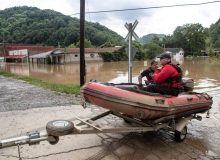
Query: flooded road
(202, 135)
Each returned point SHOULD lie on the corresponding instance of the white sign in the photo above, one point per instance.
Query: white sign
(21, 52)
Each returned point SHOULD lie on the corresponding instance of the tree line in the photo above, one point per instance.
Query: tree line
(194, 39)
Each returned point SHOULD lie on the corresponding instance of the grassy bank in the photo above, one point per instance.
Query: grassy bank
(70, 89)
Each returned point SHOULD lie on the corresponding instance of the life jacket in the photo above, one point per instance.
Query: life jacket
(176, 81)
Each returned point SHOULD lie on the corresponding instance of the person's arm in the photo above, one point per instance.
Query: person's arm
(143, 74)
(140, 79)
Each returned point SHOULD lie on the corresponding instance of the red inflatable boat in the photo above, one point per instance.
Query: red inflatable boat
(130, 100)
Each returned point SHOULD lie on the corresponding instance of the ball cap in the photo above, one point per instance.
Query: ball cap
(164, 55)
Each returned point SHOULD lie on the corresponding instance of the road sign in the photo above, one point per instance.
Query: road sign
(133, 52)
(130, 27)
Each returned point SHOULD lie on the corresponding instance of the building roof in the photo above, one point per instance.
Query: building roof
(173, 50)
(75, 51)
(41, 55)
(217, 50)
(91, 50)
(29, 47)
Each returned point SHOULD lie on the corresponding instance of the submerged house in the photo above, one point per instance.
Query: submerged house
(69, 55)
(20, 53)
(175, 52)
(16, 56)
(217, 51)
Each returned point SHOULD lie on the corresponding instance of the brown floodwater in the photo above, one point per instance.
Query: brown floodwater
(204, 71)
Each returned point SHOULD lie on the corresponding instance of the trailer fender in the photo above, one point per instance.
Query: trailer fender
(182, 122)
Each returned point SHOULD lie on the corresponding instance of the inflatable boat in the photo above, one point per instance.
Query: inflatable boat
(130, 100)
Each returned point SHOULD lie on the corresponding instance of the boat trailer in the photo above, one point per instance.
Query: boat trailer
(57, 128)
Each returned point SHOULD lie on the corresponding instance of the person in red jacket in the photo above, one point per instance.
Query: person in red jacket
(168, 80)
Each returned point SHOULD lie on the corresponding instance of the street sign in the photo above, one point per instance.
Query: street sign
(131, 53)
(131, 31)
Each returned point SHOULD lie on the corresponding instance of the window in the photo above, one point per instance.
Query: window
(92, 55)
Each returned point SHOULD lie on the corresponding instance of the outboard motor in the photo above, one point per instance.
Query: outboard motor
(188, 84)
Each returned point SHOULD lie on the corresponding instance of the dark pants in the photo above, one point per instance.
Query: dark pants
(155, 88)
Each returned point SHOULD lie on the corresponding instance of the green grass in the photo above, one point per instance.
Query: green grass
(70, 89)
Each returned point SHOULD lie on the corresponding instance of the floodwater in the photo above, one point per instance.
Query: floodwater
(205, 72)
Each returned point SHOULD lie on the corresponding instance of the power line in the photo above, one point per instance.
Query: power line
(145, 8)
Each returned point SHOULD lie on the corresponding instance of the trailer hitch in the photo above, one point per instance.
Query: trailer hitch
(30, 138)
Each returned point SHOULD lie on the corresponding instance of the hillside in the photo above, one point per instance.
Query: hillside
(149, 37)
(31, 25)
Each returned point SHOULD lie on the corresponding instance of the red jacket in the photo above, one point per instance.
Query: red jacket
(168, 76)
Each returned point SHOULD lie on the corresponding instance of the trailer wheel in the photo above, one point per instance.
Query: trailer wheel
(180, 136)
(59, 127)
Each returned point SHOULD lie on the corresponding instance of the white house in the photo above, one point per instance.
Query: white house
(176, 53)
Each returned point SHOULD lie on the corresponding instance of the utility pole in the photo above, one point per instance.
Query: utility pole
(4, 46)
(129, 53)
(82, 48)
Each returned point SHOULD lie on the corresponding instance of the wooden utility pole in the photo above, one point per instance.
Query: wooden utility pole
(82, 48)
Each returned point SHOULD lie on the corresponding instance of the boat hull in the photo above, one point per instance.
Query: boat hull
(143, 106)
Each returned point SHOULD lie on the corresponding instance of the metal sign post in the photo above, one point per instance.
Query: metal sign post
(129, 36)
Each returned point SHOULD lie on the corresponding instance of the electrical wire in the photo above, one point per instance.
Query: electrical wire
(145, 8)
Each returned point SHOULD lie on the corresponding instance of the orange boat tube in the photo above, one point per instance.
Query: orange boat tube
(143, 105)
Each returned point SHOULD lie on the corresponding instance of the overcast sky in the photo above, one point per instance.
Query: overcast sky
(163, 20)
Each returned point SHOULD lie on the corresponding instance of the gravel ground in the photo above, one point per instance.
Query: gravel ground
(19, 95)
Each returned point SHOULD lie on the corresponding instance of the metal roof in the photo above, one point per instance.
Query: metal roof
(41, 55)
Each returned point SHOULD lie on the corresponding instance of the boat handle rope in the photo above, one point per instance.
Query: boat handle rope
(203, 95)
(206, 96)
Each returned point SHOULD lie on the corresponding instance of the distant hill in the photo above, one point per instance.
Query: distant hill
(31, 25)
(149, 37)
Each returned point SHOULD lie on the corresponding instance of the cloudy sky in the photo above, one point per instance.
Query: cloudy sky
(163, 20)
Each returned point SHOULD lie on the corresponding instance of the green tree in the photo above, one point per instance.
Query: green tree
(139, 51)
(190, 37)
(152, 50)
(87, 44)
(72, 46)
(215, 34)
